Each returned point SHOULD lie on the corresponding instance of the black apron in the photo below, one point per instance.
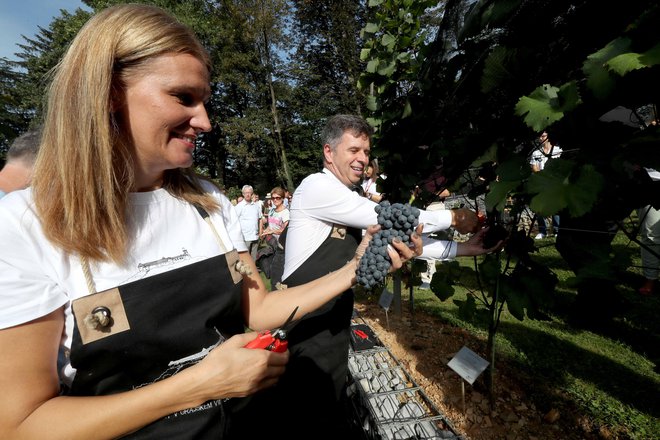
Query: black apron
(312, 389)
(158, 326)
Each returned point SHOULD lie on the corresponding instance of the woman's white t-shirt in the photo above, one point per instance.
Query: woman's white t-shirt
(36, 277)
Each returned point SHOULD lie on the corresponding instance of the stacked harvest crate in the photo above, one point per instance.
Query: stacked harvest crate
(385, 399)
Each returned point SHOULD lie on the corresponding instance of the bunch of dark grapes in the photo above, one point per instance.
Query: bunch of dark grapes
(396, 220)
(495, 234)
(496, 229)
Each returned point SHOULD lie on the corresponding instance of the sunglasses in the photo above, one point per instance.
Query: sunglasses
(276, 197)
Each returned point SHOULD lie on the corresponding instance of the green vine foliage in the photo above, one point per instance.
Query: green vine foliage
(473, 101)
(497, 74)
(393, 40)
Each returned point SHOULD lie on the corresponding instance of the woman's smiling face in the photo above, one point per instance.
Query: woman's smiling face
(162, 110)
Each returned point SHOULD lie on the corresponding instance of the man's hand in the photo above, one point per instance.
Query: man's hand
(362, 247)
(475, 245)
(464, 220)
(400, 252)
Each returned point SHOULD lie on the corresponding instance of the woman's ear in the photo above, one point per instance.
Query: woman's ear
(115, 105)
(116, 99)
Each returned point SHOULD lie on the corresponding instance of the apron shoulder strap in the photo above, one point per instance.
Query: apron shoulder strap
(207, 218)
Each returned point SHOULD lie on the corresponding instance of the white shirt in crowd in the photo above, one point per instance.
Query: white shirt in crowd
(248, 214)
(369, 186)
(540, 158)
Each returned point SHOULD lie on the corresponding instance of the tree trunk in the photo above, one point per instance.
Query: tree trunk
(276, 123)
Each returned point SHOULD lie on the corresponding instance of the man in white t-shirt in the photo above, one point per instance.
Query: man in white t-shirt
(249, 215)
(326, 222)
(546, 150)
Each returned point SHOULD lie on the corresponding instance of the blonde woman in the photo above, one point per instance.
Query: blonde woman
(124, 261)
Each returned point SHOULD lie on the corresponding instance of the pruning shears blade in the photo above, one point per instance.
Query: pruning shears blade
(281, 332)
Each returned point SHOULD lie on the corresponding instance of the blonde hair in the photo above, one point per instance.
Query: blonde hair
(85, 167)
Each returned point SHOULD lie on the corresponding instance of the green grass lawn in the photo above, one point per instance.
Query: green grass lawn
(609, 373)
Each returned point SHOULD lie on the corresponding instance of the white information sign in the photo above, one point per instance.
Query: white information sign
(385, 299)
(468, 364)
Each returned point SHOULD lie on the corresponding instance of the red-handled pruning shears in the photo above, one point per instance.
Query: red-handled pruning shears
(361, 334)
(273, 340)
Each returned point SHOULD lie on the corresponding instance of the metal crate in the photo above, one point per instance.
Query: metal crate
(386, 401)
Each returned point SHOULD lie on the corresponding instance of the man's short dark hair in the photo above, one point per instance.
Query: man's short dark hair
(25, 147)
(337, 125)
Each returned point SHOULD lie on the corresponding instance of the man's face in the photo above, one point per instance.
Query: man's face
(247, 195)
(348, 161)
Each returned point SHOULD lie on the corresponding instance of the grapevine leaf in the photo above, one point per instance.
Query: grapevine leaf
(387, 70)
(489, 268)
(496, 197)
(550, 186)
(489, 156)
(599, 80)
(374, 122)
(441, 287)
(372, 28)
(372, 65)
(624, 63)
(652, 56)
(364, 54)
(601, 83)
(585, 192)
(403, 57)
(627, 62)
(547, 104)
(517, 299)
(388, 41)
(373, 3)
(537, 282)
(495, 68)
(556, 191)
(537, 109)
(513, 170)
(372, 103)
(569, 97)
(467, 308)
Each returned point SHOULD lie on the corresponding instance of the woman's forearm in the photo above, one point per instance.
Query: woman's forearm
(266, 310)
(30, 407)
(111, 416)
(271, 309)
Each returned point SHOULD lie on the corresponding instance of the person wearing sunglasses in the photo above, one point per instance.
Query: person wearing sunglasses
(278, 216)
(277, 221)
